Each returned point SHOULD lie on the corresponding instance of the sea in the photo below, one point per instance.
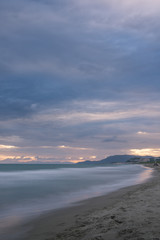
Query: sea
(28, 190)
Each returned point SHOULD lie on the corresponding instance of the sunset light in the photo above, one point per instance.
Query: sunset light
(79, 119)
(7, 147)
(146, 152)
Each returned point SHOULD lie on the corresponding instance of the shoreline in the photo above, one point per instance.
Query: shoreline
(127, 213)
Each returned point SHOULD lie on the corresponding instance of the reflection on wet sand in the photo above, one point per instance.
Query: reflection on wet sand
(143, 176)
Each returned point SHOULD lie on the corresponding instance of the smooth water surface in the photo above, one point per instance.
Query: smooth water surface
(28, 190)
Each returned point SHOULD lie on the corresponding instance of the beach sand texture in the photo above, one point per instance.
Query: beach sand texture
(132, 213)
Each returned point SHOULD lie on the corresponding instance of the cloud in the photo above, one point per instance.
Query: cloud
(114, 139)
(72, 148)
(31, 159)
(84, 72)
(18, 159)
(146, 152)
(142, 133)
(102, 112)
(7, 147)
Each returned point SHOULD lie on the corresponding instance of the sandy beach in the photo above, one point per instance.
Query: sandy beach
(130, 213)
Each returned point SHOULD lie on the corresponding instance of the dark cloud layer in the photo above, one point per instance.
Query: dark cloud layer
(79, 73)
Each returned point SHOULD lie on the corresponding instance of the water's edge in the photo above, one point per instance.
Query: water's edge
(14, 219)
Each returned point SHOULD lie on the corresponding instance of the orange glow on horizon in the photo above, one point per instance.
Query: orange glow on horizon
(155, 152)
(3, 157)
(76, 161)
(17, 158)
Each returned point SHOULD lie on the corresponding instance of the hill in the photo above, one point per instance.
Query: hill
(110, 159)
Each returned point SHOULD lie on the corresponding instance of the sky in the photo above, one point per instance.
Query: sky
(79, 79)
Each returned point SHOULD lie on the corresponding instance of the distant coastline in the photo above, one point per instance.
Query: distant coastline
(108, 160)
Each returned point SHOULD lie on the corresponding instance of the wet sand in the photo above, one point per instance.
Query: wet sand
(132, 213)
